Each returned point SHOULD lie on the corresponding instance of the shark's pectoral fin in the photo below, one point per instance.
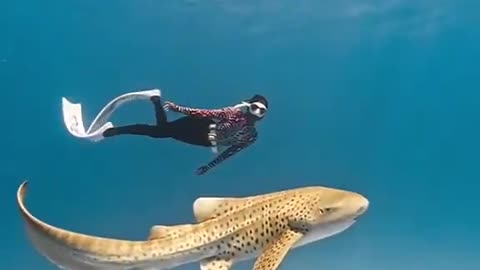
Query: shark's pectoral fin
(273, 255)
(215, 264)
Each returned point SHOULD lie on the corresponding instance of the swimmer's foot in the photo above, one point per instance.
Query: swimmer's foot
(155, 99)
(109, 132)
(153, 92)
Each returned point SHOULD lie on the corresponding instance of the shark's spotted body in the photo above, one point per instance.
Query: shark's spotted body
(228, 230)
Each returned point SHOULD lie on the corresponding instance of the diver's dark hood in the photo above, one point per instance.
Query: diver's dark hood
(258, 98)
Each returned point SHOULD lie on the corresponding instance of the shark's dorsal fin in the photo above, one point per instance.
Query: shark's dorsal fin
(210, 207)
(161, 231)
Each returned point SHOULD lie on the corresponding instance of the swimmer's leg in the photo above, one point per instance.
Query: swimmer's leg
(158, 131)
(137, 129)
(160, 115)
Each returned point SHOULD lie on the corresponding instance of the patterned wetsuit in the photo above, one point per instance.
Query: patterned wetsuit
(232, 130)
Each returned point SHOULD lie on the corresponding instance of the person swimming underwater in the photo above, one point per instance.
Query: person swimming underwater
(231, 127)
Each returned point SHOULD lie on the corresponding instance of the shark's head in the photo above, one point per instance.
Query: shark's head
(323, 212)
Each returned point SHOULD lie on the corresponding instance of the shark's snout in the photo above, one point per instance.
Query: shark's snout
(362, 204)
(361, 210)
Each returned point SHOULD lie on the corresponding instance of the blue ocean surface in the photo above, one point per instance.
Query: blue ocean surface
(377, 97)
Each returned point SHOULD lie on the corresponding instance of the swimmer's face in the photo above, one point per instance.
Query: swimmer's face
(258, 109)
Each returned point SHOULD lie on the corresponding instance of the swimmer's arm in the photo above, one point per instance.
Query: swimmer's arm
(229, 152)
(223, 113)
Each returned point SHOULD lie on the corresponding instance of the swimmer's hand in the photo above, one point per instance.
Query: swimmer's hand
(201, 170)
(169, 106)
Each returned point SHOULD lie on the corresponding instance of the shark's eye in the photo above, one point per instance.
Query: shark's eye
(325, 210)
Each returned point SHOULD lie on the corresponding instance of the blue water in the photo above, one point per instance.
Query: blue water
(378, 97)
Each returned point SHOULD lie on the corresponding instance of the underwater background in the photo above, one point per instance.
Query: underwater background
(378, 97)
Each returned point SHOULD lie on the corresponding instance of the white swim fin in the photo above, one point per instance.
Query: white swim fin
(73, 118)
(105, 113)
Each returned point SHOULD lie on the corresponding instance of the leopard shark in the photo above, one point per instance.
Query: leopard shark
(226, 230)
